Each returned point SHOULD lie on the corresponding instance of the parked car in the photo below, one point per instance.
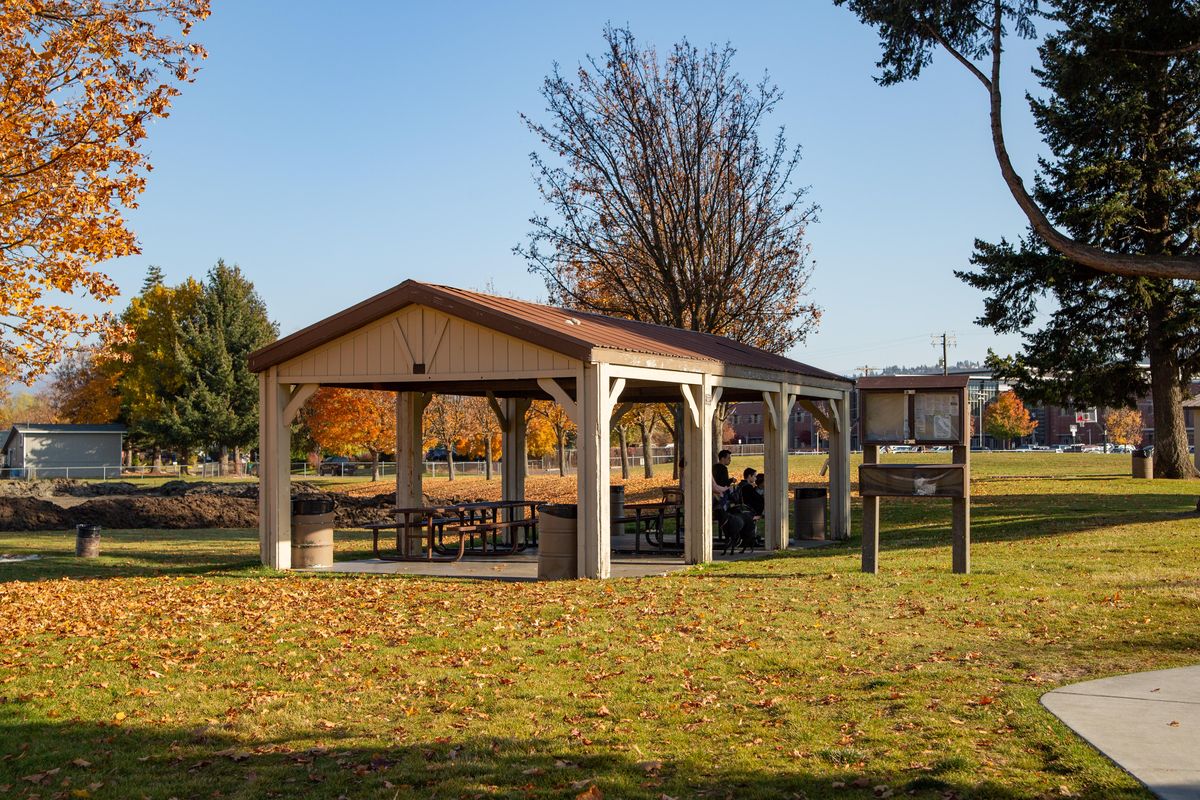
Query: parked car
(337, 465)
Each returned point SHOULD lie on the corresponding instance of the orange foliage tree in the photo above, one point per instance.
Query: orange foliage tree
(554, 419)
(1124, 426)
(84, 391)
(80, 80)
(349, 421)
(483, 440)
(1007, 418)
(448, 420)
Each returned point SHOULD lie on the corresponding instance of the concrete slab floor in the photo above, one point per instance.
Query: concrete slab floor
(1147, 722)
(523, 566)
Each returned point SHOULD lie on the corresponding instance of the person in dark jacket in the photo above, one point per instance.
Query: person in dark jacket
(720, 471)
(751, 495)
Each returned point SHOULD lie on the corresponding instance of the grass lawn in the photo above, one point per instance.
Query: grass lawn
(176, 667)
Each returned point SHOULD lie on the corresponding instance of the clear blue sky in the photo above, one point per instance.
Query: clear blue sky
(334, 153)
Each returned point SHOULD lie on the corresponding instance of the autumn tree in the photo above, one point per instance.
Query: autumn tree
(645, 417)
(554, 418)
(666, 206)
(84, 390)
(1123, 426)
(34, 407)
(1124, 174)
(1007, 418)
(220, 405)
(1129, 45)
(484, 438)
(79, 85)
(153, 371)
(349, 421)
(448, 419)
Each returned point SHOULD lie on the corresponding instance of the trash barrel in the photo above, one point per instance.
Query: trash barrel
(616, 505)
(558, 542)
(810, 513)
(87, 541)
(1143, 462)
(312, 532)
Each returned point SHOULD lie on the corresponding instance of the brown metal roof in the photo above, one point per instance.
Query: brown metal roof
(913, 382)
(572, 333)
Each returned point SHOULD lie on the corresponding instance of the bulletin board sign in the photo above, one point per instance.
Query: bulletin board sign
(902, 413)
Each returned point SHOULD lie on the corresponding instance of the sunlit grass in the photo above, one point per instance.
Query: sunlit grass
(176, 667)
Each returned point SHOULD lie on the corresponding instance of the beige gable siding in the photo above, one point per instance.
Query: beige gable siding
(448, 347)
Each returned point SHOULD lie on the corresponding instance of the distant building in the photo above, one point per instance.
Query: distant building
(61, 451)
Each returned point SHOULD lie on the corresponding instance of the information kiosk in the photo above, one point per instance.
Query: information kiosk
(923, 412)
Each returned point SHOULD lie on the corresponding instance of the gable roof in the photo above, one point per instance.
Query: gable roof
(572, 333)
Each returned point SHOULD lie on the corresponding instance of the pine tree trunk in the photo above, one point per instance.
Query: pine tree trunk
(237, 461)
(223, 462)
(647, 466)
(487, 456)
(624, 453)
(158, 459)
(1171, 457)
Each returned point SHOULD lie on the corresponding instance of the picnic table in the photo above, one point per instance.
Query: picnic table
(422, 532)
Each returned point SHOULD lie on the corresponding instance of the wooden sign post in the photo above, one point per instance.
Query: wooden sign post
(919, 410)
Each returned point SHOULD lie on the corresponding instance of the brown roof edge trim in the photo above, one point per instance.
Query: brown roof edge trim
(914, 382)
(398, 297)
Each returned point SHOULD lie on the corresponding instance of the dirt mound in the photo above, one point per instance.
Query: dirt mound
(195, 511)
(30, 514)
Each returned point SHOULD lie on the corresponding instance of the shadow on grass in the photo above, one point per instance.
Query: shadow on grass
(130, 554)
(102, 760)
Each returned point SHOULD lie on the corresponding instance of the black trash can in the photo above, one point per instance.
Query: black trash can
(616, 508)
(87, 541)
(558, 542)
(1143, 462)
(810, 512)
(312, 532)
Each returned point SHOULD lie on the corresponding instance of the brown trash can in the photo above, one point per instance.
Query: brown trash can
(1143, 465)
(809, 511)
(87, 541)
(558, 542)
(312, 532)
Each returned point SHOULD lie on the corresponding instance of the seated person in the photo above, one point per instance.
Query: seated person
(720, 469)
(734, 519)
(752, 492)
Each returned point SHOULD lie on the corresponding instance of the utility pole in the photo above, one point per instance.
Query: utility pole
(866, 371)
(948, 340)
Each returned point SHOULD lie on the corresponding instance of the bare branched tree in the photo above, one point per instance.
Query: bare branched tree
(665, 205)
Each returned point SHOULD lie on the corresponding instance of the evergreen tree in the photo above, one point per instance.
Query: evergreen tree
(1120, 117)
(220, 407)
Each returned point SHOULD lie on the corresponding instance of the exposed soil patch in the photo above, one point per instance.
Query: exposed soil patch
(61, 504)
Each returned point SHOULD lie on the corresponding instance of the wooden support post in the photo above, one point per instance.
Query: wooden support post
(512, 450)
(961, 515)
(870, 519)
(697, 473)
(278, 404)
(776, 408)
(839, 468)
(410, 453)
(594, 416)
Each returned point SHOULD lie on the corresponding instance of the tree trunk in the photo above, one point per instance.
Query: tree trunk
(562, 455)
(487, 456)
(223, 462)
(374, 466)
(450, 462)
(1171, 457)
(158, 459)
(237, 461)
(624, 452)
(647, 466)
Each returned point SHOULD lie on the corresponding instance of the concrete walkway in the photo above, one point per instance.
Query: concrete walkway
(1148, 722)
